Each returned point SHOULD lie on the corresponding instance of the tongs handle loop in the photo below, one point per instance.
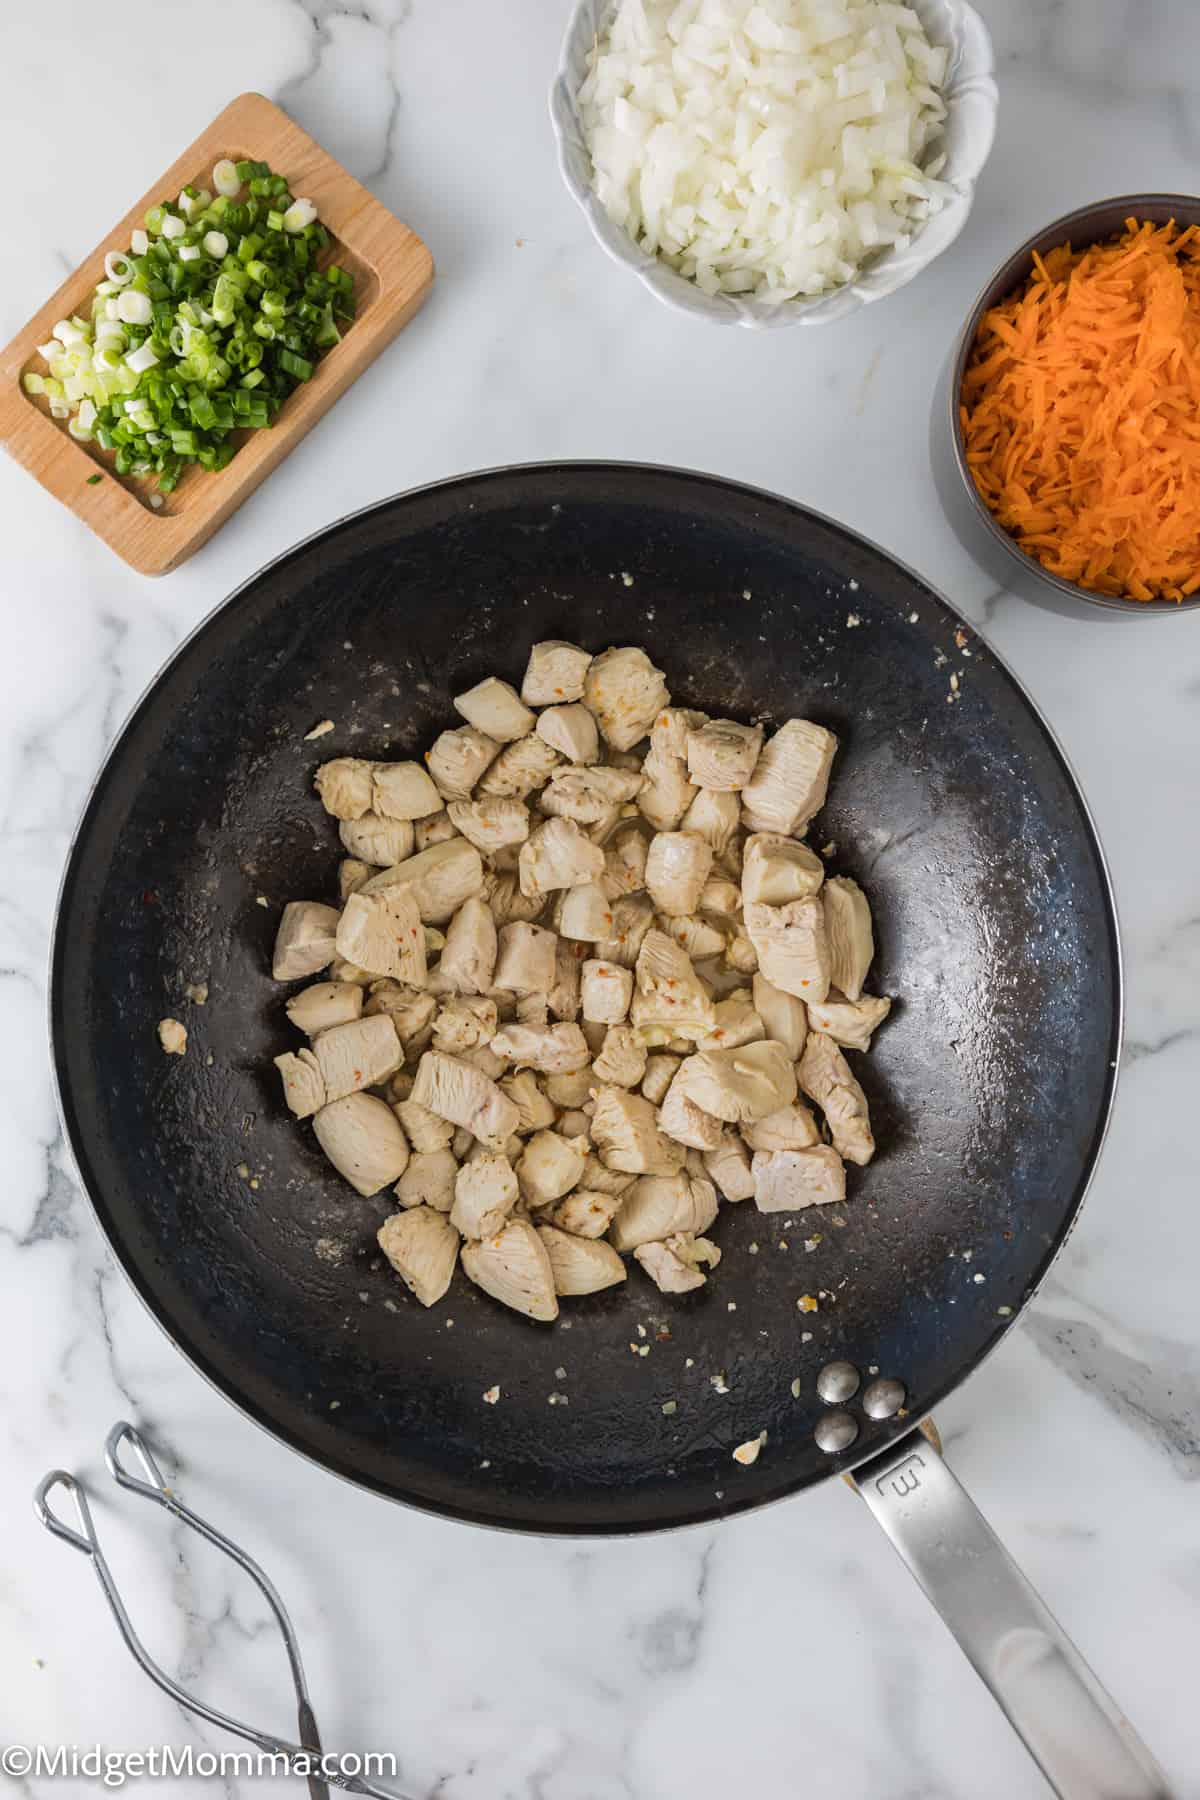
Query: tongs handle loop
(124, 1433)
(84, 1540)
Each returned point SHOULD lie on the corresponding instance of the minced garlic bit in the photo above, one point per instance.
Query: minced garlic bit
(797, 1388)
(719, 1382)
(747, 1453)
(852, 619)
(669, 1407)
(807, 1303)
(320, 729)
(196, 992)
(491, 1395)
(172, 1036)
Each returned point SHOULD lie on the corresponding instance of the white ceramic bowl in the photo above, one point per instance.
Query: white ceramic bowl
(970, 126)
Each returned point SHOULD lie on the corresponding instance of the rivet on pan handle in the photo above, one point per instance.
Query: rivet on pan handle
(1079, 1737)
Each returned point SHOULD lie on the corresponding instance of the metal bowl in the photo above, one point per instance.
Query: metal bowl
(981, 535)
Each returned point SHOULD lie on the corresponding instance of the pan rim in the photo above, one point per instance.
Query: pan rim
(729, 1506)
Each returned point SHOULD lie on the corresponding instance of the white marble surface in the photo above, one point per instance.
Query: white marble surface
(787, 1652)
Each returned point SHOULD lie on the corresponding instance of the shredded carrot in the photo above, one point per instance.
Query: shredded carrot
(1080, 413)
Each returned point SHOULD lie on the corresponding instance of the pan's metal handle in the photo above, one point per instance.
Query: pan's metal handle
(1081, 1740)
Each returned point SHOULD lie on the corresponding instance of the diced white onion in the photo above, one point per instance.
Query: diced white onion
(225, 178)
(172, 226)
(216, 244)
(133, 307)
(141, 359)
(118, 268)
(299, 214)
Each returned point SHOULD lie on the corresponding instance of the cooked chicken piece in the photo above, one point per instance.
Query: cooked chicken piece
(495, 708)
(696, 1252)
(485, 1192)
(740, 955)
(632, 917)
(851, 939)
(683, 1120)
(376, 840)
(513, 1267)
(786, 1180)
(552, 1049)
(422, 1247)
(361, 1136)
(525, 963)
(668, 1271)
(657, 1206)
(625, 860)
(597, 1178)
(729, 1167)
(625, 691)
(469, 958)
(791, 1128)
(606, 990)
(792, 946)
(625, 1132)
(403, 790)
(550, 1167)
(776, 869)
(672, 728)
(585, 913)
(306, 940)
(588, 795)
(558, 855)
(714, 816)
(660, 1073)
(429, 1180)
(534, 1111)
(677, 866)
(587, 1213)
(490, 822)
(440, 879)
(359, 1055)
(424, 1130)
(738, 1022)
(666, 794)
(555, 672)
(464, 1023)
(700, 937)
(353, 873)
(323, 1004)
(435, 828)
(341, 970)
(622, 1058)
(788, 786)
(382, 932)
(850, 1023)
(411, 1010)
(564, 995)
(574, 1088)
(484, 1058)
(825, 1076)
(784, 1017)
(532, 1009)
(722, 754)
(574, 1124)
(520, 768)
(571, 730)
(502, 892)
(458, 759)
(670, 997)
(455, 1091)
(303, 1083)
(736, 1085)
(729, 862)
(345, 786)
(580, 1265)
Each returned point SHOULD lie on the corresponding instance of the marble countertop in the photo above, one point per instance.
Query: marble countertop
(782, 1653)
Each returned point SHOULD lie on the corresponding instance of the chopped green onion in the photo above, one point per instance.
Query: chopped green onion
(93, 479)
(172, 226)
(299, 214)
(216, 244)
(134, 308)
(226, 179)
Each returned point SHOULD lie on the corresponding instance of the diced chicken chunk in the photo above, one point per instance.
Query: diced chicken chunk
(411, 1010)
(625, 1131)
(572, 731)
(672, 728)
(721, 755)
(458, 760)
(563, 997)
(677, 866)
(495, 708)
(587, 795)
(825, 1076)
(598, 1178)
(353, 873)
(738, 1022)
(670, 996)
(714, 817)
(791, 1128)
(786, 1180)
(622, 1058)
(424, 1130)
(666, 793)
(626, 692)
(457, 1092)
(625, 860)
(549, 1167)
(376, 840)
(684, 1121)
(788, 786)
(784, 1017)
(429, 1180)
(667, 1270)
(513, 1267)
(792, 946)
(464, 1023)
(776, 869)
(558, 855)
(359, 1055)
(502, 891)
(403, 790)
(324, 1004)
(306, 941)
(550, 1049)
(736, 1085)
(660, 1073)
(851, 939)
(555, 672)
(485, 1192)
(422, 1247)
(606, 990)
(382, 932)
(632, 917)
(587, 1213)
(534, 1111)
(698, 936)
(851, 1023)
(520, 768)
(435, 828)
(657, 1206)
(468, 959)
(580, 1265)
(439, 878)
(728, 1166)
(490, 822)
(525, 963)
(303, 1083)
(361, 1136)
(585, 913)
(345, 786)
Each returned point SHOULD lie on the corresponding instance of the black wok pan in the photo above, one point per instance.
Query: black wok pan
(990, 1086)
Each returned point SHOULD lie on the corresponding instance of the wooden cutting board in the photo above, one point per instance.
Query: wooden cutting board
(392, 271)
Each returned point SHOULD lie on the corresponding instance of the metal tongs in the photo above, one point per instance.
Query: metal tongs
(305, 1758)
